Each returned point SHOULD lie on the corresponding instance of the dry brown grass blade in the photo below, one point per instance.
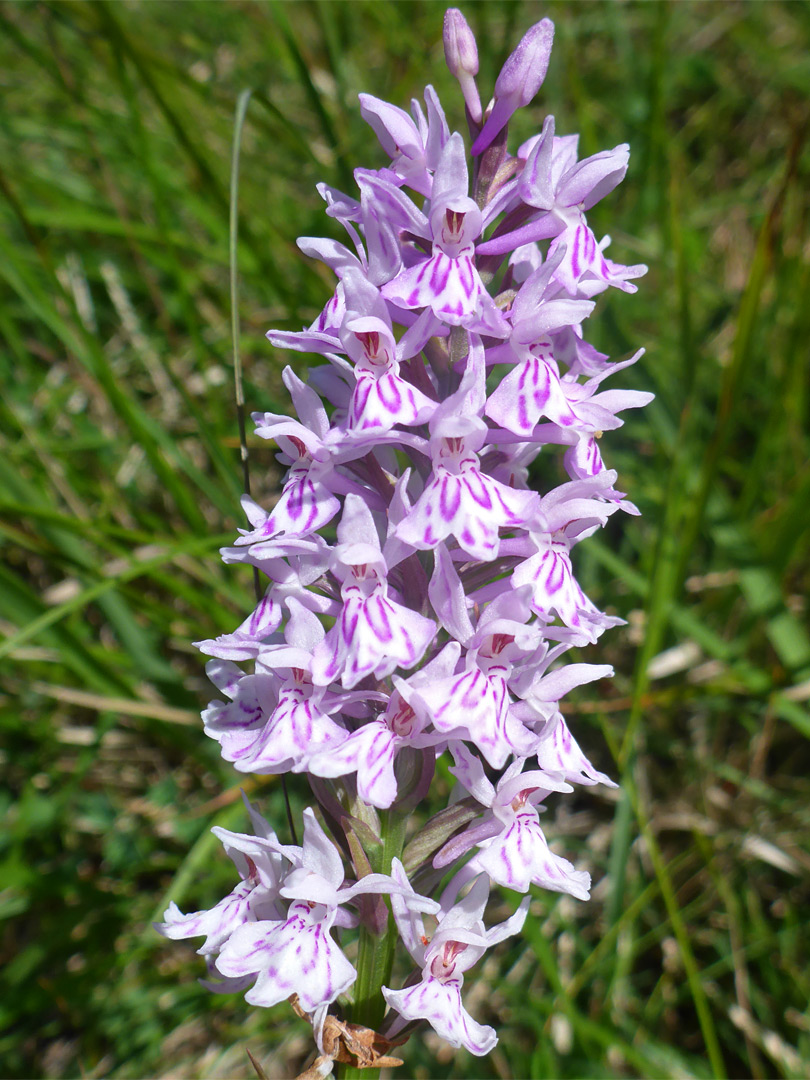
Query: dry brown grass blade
(262, 1075)
(101, 703)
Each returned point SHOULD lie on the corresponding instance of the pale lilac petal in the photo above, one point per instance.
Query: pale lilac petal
(336, 255)
(216, 924)
(294, 732)
(538, 307)
(401, 140)
(369, 752)
(294, 957)
(380, 402)
(590, 180)
(440, 1004)
(394, 549)
(438, 130)
(245, 642)
(512, 925)
(528, 392)
(558, 750)
(535, 185)
(392, 126)
(319, 854)
(619, 400)
(547, 315)
(520, 857)
(555, 589)
(408, 918)
(386, 201)
(304, 629)
(451, 179)
(386, 885)
(256, 857)
(357, 525)
(556, 684)
(372, 636)
(305, 341)
(470, 772)
(447, 596)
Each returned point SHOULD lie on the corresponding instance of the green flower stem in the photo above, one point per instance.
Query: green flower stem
(375, 955)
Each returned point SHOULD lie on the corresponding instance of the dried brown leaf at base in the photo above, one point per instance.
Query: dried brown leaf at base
(350, 1044)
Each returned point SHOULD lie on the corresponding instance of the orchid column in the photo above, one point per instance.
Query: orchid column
(422, 597)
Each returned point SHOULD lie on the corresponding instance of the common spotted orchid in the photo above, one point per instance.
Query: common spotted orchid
(421, 595)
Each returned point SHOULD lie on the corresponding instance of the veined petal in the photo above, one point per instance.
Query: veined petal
(306, 505)
(554, 588)
(531, 390)
(474, 703)
(216, 924)
(583, 256)
(584, 458)
(378, 403)
(520, 856)
(246, 640)
(294, 732)
(369, 752)
(453, 289)
(374, 635)
(294, 957)
(468, 505)
(558, 751)
(252, 704)
(470, 772)
(440, 1004)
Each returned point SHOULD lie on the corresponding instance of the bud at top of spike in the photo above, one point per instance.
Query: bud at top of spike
(461, 54)
(523, 73)
(520, 78)
(460, 50)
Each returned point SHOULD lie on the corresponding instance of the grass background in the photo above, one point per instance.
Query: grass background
(119, 480)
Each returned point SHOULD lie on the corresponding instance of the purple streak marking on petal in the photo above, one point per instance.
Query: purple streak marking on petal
(477, 489)
(449, 497)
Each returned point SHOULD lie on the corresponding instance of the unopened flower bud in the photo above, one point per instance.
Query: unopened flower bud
(521, 77)
(460, 50)
(523, 73)
(461, 54)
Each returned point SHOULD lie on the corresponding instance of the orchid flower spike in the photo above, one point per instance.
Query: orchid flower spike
(419, 596)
